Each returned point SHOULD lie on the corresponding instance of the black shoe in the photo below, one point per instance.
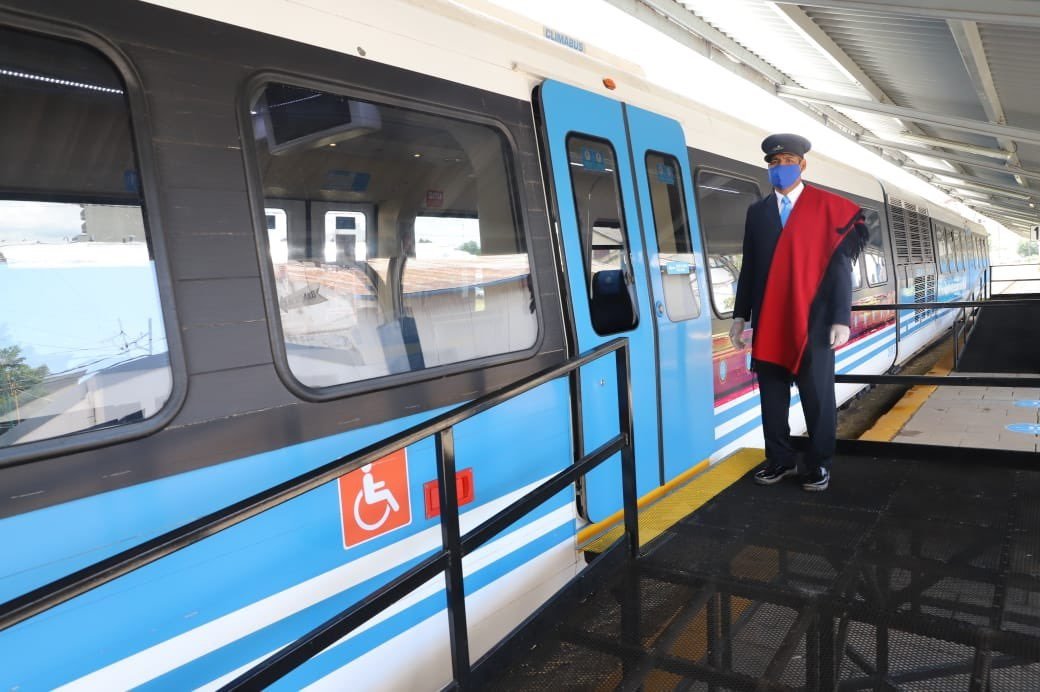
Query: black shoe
(774, 473)
(817, 481)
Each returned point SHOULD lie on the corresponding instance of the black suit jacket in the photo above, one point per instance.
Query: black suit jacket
(833, 301)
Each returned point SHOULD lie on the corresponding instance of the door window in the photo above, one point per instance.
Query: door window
(678, 264)
(602, 233)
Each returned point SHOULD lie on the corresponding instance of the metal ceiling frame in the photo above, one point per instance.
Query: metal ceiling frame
(965, 124)
(1024, 13)
(679, 23)
(973, 53)
(1024, 191)
(958, 146)
(923, 151)
(683, 25)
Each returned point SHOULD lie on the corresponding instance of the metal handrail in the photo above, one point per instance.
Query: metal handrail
(448, 560)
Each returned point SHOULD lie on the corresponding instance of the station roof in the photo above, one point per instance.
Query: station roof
(946, 88)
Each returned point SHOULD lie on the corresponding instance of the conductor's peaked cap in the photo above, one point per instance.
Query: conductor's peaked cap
(785, 144)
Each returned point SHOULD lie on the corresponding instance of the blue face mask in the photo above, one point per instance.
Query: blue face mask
(783, 177)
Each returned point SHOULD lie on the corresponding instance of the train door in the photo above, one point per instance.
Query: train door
(665, 187)
(601, 207)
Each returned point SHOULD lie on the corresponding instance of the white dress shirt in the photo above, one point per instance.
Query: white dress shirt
(792, 195)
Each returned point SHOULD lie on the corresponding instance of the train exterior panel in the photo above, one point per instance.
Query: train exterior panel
(273, 238)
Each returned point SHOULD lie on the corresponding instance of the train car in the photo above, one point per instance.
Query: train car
(239, 245)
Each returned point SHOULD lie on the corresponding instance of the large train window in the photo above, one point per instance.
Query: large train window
(82, 340)
(722, 204)
(604, 239)
(393, 235)
(874, 253)
(678, 263)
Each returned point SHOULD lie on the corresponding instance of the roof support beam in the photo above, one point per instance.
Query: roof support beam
(1015, 12)
(988, 189)
(964, 124)
(1011, 207)
(973, 53)
(996, 185)
(923, 151)
(957, 146)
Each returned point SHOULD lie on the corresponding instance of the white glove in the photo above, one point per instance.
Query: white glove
(736, 332)
(839, 335)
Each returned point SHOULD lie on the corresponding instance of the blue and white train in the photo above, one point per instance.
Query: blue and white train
(236, 245)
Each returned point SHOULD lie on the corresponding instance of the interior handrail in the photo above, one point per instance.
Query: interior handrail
(59, 591)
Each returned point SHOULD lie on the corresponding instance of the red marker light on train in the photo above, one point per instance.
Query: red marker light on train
(609, 83)
(464, 489)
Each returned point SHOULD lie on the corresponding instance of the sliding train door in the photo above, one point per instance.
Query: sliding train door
(606, 205)
(678, 283)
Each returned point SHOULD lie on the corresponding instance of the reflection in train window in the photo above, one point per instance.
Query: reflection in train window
(678, 264)
(722, 204)
(942, 247)
(874, 253)
(82, 340)
(601, 231)
(402, 248)
(857, 275)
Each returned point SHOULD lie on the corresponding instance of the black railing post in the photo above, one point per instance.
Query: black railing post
(628, 454)
(455, 589)
(957, 340)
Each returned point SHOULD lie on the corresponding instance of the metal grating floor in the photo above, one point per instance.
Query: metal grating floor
(904, 575)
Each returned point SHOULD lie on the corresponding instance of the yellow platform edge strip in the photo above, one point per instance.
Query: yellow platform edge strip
(662, 507)
(888, 426)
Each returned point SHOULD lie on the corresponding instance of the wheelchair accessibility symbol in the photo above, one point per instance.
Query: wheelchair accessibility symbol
(374, 499)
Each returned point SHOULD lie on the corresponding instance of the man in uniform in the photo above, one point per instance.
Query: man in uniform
(795, 287)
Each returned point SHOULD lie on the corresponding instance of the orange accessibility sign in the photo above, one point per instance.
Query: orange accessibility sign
(373, 500)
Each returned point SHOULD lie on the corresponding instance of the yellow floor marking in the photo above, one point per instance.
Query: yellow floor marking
(888, 426)
(593, 530)
(657, 516)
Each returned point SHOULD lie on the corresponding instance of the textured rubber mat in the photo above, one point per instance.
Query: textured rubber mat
(904, 575)
(1002, 337)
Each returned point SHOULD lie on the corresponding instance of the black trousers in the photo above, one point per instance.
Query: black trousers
(815, 382)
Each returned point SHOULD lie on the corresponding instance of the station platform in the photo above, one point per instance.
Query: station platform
(907, 574)
(1006, 418)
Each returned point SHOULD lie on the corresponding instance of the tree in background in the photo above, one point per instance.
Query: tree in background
(471, 247)
(1027, 248)
(17, 378)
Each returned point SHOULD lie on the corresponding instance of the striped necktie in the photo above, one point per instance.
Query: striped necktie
(785, 210)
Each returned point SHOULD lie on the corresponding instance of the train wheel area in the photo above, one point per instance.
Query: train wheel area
(906, 571)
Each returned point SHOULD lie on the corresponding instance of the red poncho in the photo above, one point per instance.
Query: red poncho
(816, 227)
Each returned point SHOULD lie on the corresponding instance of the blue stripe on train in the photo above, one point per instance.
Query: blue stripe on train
(212, 666)
(341, 655)
(887, 334)
(94, 633)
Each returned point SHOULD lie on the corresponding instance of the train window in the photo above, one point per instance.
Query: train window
(402, 249)
(874, 253)
(677, 261)
(958, 244)
(604, 239)
(857, 275)
(722, 203)
(82, 339)
(942, 246)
